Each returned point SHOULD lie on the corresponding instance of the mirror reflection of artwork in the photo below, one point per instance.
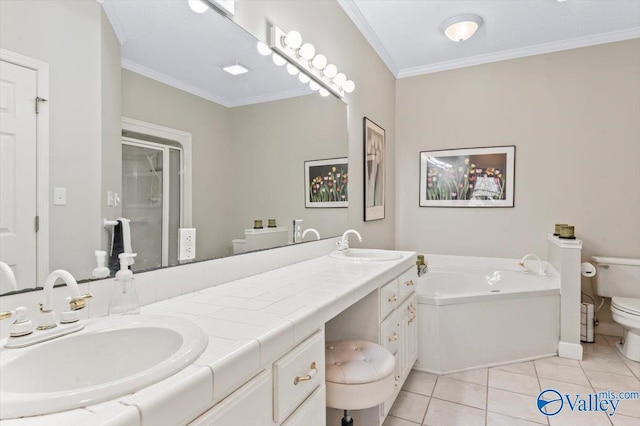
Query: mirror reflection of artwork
(478, 177)
(374, 158)
(327, 183)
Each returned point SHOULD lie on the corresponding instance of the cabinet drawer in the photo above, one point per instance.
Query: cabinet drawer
(388, 298)
(390, 333)
(249, 405)
(306, 361)
(407, 283)
(312, 412)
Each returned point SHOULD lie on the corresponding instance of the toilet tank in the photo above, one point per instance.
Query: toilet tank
(617, 276)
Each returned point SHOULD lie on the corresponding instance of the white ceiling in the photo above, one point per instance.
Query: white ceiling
(166, 41)
(407, 35)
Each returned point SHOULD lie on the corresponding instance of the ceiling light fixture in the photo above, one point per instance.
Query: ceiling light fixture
(314, 68)
(198, 6)
(263, 49)
(461, 27)
(236, 69)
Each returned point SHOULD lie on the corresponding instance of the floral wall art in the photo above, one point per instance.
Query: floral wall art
(471, 177)
(327, 183)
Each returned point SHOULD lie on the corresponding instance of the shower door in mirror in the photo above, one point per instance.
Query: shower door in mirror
(151, 200)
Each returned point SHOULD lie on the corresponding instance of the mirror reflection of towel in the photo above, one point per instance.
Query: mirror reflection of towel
(120, 243)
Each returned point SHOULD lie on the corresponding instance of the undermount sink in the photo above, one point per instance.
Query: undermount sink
(110, 357)
(366, 255)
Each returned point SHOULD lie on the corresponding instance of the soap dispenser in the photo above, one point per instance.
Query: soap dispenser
(101, 271)
(124, 300)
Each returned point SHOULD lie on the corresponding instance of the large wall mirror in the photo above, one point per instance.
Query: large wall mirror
(145, 124)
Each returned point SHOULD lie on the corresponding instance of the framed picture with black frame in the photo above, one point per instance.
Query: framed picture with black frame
(374, 170)
(468, 177)
(327, 183)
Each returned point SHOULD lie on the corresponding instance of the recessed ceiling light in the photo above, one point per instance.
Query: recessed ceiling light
(235, 69)
(461, 27)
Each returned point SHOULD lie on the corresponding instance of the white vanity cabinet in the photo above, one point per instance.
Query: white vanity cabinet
(291, 393)
(296, 376)
(249, 405)
(399, 328)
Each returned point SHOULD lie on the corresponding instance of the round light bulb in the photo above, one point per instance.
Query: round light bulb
(340, 79)
(304, 79)
(307, 51)
(314, 86)
(293, 39)
(278, 60)
(198, 6)
(349, 86)
(330, 71)
(292, 69)
(319, 62)
(263, 49)
(323, 92)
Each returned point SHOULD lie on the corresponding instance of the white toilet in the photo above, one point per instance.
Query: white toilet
(619, 279)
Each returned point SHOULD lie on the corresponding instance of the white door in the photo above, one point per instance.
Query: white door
(18, 152)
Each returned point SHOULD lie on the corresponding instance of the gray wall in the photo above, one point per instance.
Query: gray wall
(148, 100)
(325, 24)
(68, 36)
(573, 117)
(271, 142)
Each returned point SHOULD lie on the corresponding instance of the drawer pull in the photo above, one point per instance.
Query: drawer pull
(393, 298)
(393, 337)
(308, 377)
(410, 283)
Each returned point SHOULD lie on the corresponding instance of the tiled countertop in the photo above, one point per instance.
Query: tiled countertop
(250, 323)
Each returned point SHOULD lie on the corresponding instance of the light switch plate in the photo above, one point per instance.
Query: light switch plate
(59, 196)
(187, 243)
(109, 198)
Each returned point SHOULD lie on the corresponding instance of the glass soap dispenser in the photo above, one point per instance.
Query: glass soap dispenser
(124, 299)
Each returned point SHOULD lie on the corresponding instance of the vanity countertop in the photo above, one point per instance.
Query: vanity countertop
(250, 323)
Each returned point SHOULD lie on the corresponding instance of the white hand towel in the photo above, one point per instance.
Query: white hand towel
(126, 237)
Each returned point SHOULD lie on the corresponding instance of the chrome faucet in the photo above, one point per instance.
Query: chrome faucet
(76, 302)
(541, 270)
(10, 278)
(343, 244)
(310, 231)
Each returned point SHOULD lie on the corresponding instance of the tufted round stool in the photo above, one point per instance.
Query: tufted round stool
(358, 374)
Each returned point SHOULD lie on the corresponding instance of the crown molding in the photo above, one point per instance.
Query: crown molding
(352, 11)
(271, 97)
(114, 19)
(505, 55)
(173, 82)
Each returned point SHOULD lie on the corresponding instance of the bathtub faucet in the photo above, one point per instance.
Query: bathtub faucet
(541, 270)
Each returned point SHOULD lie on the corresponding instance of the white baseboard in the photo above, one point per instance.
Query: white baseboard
(609, 328)
(570, 350)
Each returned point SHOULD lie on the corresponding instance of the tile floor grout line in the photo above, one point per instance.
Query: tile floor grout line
(593, 388)
(486, 402)
(535, 369)
(424, 417)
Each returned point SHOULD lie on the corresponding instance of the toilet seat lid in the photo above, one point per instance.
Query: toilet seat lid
(630, 305)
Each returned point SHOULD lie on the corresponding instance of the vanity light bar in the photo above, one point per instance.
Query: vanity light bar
(315, 66)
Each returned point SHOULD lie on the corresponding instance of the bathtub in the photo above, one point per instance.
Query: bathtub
(480, 312)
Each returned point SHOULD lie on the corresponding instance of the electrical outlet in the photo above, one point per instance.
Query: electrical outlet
(187, 243)
(109, 198)
(297, 230)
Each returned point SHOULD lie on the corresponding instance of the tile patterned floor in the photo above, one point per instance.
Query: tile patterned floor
(506, 396)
